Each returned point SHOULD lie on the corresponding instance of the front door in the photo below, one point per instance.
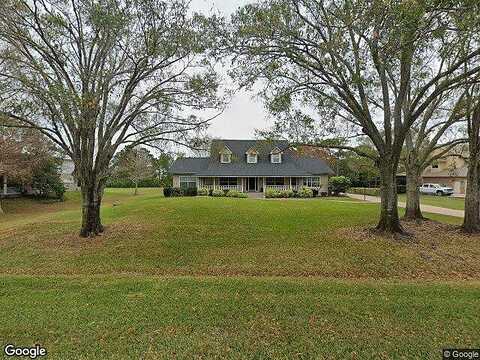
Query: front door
(252, 184)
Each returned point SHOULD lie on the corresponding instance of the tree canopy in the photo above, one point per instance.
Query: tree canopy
(95, 75)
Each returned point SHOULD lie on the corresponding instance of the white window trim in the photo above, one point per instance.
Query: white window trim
(310, 181)
(187, 180)
(277, 157)
(252, 158)
(227, 159)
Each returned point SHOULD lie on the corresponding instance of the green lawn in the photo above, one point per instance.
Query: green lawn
(233, 278)
(441, 201)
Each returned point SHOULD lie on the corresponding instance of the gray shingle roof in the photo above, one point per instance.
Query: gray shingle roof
(293, 164)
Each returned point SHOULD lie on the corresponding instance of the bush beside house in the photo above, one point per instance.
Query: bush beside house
(218, 193)
(303, 192)
(203, 192)
(169, 191)
(236, 194)
(339, 184)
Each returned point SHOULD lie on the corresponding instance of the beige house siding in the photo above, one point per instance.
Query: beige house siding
(451, 171)
(324, 182)
(176, 181)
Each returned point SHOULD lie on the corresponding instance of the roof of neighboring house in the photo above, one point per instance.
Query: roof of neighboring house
(293, 163)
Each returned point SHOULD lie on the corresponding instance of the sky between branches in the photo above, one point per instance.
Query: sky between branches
(244, 114)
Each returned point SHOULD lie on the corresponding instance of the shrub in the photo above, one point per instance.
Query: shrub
(271, 193)
(286, 193)
(236, 194)
(167, 191)
(218, 193)
(315, 192)
(176, 192)
(47, 181)
(305, 192)
(366, 191)
(203, 192)
(339, 184)
(190, 191)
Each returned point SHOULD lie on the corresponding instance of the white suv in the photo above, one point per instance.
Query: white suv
(436, 189)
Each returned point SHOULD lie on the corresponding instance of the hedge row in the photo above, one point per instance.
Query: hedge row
(303, 192)
(374, 191)
(169, 191)
(125, 183)
(365, 191)
(176, 191)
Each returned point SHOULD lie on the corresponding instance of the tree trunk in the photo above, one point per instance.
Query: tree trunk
(412, 208)
(389, 221)
(92, 200)
(136, 188)
(471, 221)
(1, 210)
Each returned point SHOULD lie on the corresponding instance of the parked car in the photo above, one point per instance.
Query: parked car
(436, 189)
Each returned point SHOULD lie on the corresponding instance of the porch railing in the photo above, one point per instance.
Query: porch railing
(229, 187)
(221, 187)
(278, 187)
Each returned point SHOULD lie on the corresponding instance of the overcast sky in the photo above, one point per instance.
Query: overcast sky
(244, 114)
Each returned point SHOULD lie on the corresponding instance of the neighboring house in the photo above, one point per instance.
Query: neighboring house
(252, 166)
(450, 170)
(66, 174)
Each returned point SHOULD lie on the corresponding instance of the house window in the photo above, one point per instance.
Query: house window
(312, 181)
(276, 158)
(228, 181)
(225, 158)
(207, 181)
(188, 182)
(252, 158)
(274, 181)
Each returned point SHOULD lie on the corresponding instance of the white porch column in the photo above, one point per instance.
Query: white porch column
(214, 183)
(290, 182)
(264, 185)
(4, 184)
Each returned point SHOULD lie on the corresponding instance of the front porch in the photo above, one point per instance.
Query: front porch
(261, 184)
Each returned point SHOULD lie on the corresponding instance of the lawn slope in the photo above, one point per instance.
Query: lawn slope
(233, 278)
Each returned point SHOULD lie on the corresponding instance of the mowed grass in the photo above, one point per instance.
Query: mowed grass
(149, 234)
(232, 278)
(237, 318)
(448, 202)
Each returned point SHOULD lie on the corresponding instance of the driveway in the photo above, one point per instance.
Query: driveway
(424, 208)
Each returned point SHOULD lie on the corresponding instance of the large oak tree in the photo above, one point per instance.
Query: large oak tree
(97, 75)
(376, 66)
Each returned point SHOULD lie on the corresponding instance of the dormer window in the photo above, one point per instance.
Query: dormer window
(225, 155)
(252, 158)
(225, 158)
(276, 156)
